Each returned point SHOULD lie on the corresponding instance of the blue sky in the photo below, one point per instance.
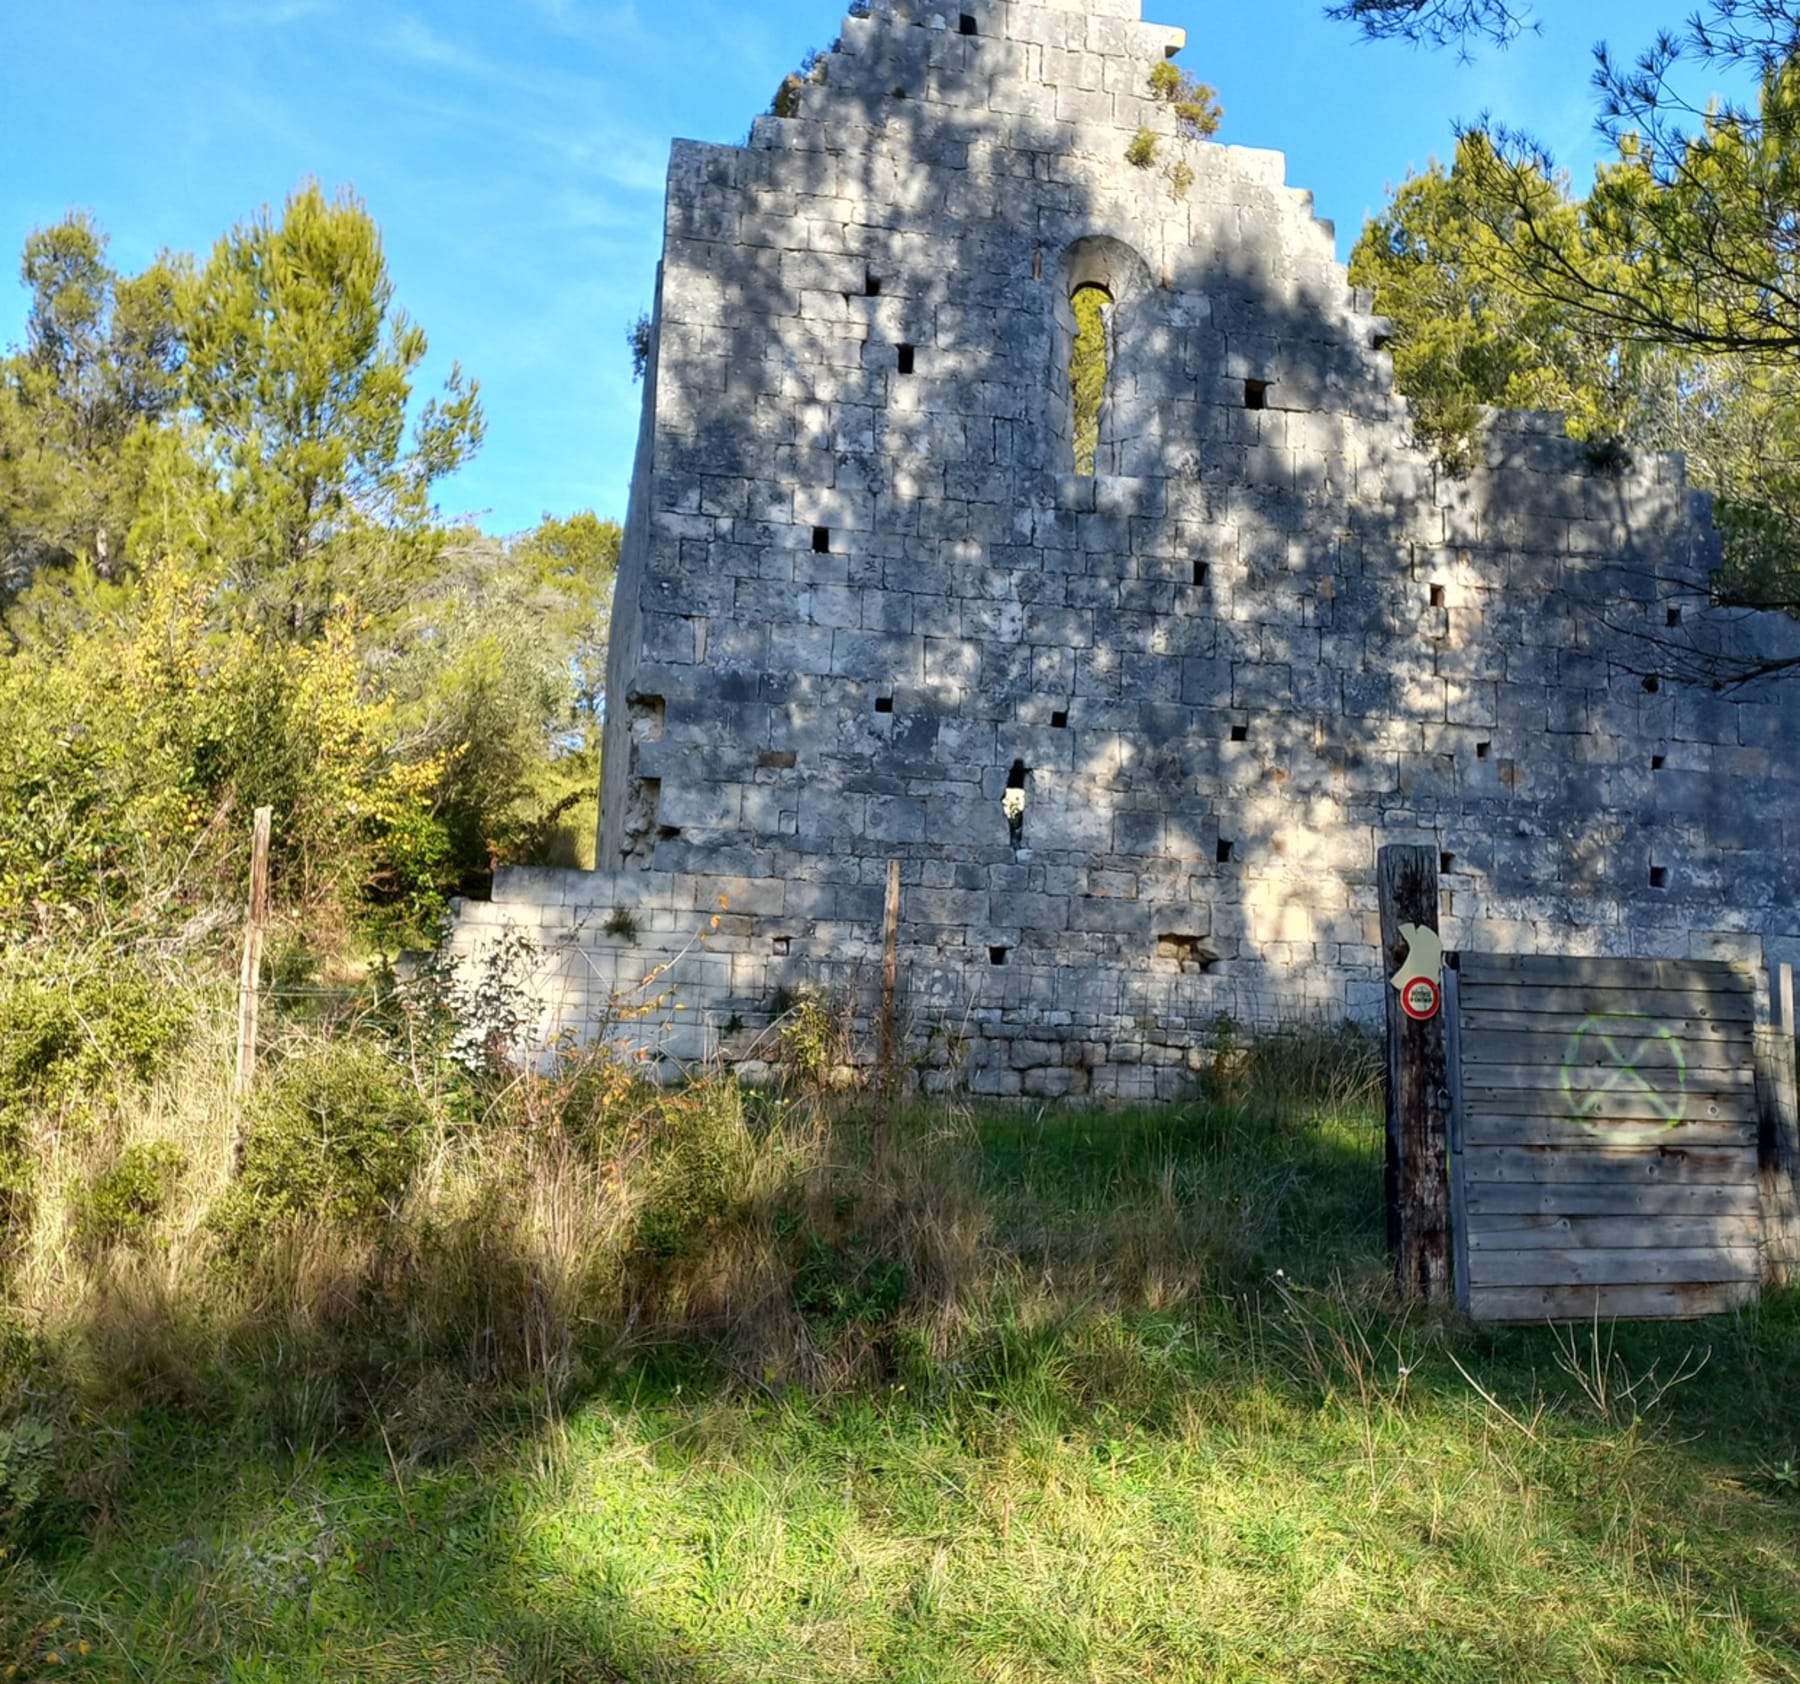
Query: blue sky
(513, 153)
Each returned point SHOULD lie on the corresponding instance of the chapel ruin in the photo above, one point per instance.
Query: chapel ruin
(1133, 733)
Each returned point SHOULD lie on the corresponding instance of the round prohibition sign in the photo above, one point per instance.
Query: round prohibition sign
(1420, 999)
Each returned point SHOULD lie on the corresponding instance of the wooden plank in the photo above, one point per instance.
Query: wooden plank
(1608, 1043)
(1620, 1266)
(1623, 1167)
(1545, 1232)
(1778, 1151)
(1486, 1020)
(1459, 1218)
(1590, 1078)
(1610, 1108)
(1609, 1198)
(1663, 1003)
(1486, 1130)
(1585, 1303)
(1558, 970)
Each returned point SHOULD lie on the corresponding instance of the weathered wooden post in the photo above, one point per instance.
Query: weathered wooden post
(1418, 1080)
(1778, 1133)
(250, 969)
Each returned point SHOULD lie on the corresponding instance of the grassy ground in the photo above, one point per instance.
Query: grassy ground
(1137, 1406)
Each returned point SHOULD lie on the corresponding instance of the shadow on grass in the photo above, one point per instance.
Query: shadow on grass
(451, 1529)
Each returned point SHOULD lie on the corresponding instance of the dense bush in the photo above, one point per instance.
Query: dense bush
(124, 1202)
(73, 1033)
(335, 1135)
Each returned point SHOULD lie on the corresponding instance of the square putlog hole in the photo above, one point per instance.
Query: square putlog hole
(966, 25)
(884, 704)
(1223, 852)
(1484, 751)
(1658, 761)
(1673, 617)
(1659, 877)
(997, 955)
(821, 540)
(1059, 721)
(1437, 596)
(1240, 733)
(1256, 394)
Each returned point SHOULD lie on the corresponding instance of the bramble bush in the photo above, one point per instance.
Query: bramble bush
(335, 1134)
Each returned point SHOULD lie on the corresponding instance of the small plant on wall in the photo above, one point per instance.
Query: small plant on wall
(1197, 109)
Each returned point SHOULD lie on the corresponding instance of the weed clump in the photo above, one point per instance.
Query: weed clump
(336, 1135)
(123, 1203)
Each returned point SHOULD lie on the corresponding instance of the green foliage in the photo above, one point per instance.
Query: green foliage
(124, 1202)
(1141, 149)
(224, 586)
(843, 1274)
(138, 749)
(637, 339)
(1466, 331)
(698, 1153)
(336, 1135)
(813, 1039)
(1197, 109)
(77, 408)
(1088, 368)
(27, 1460)
(69, 1037)
(298, 375)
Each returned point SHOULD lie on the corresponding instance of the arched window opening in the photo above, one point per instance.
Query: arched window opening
(1089, 365)
(1099, 300)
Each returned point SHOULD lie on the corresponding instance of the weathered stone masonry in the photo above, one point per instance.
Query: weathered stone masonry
(1134, 737)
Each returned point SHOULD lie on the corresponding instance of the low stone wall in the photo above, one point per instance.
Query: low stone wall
(696, 969)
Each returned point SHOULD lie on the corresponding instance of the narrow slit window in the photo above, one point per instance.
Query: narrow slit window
(1223, 852)
(1256, 394)
(821, 540)
(1437, 596)
(1446, 864)
(1201, 571)
(1013, 803)
(872, 286)
(907, 359)
(1089, 370)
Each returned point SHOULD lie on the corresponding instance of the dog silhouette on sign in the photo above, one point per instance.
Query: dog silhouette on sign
(1424, 956)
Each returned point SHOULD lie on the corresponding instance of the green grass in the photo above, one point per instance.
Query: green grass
(1164, 1422)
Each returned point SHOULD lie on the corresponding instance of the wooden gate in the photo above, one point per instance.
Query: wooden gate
(1603, 1137)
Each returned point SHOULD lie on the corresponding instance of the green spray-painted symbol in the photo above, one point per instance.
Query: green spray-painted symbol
(1611, 1058)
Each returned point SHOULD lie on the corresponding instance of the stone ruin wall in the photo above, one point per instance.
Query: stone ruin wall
(867, 610)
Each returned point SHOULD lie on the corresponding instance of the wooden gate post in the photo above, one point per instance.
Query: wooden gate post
(1418, 1089)
(250, 970)
(1778, 1134)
